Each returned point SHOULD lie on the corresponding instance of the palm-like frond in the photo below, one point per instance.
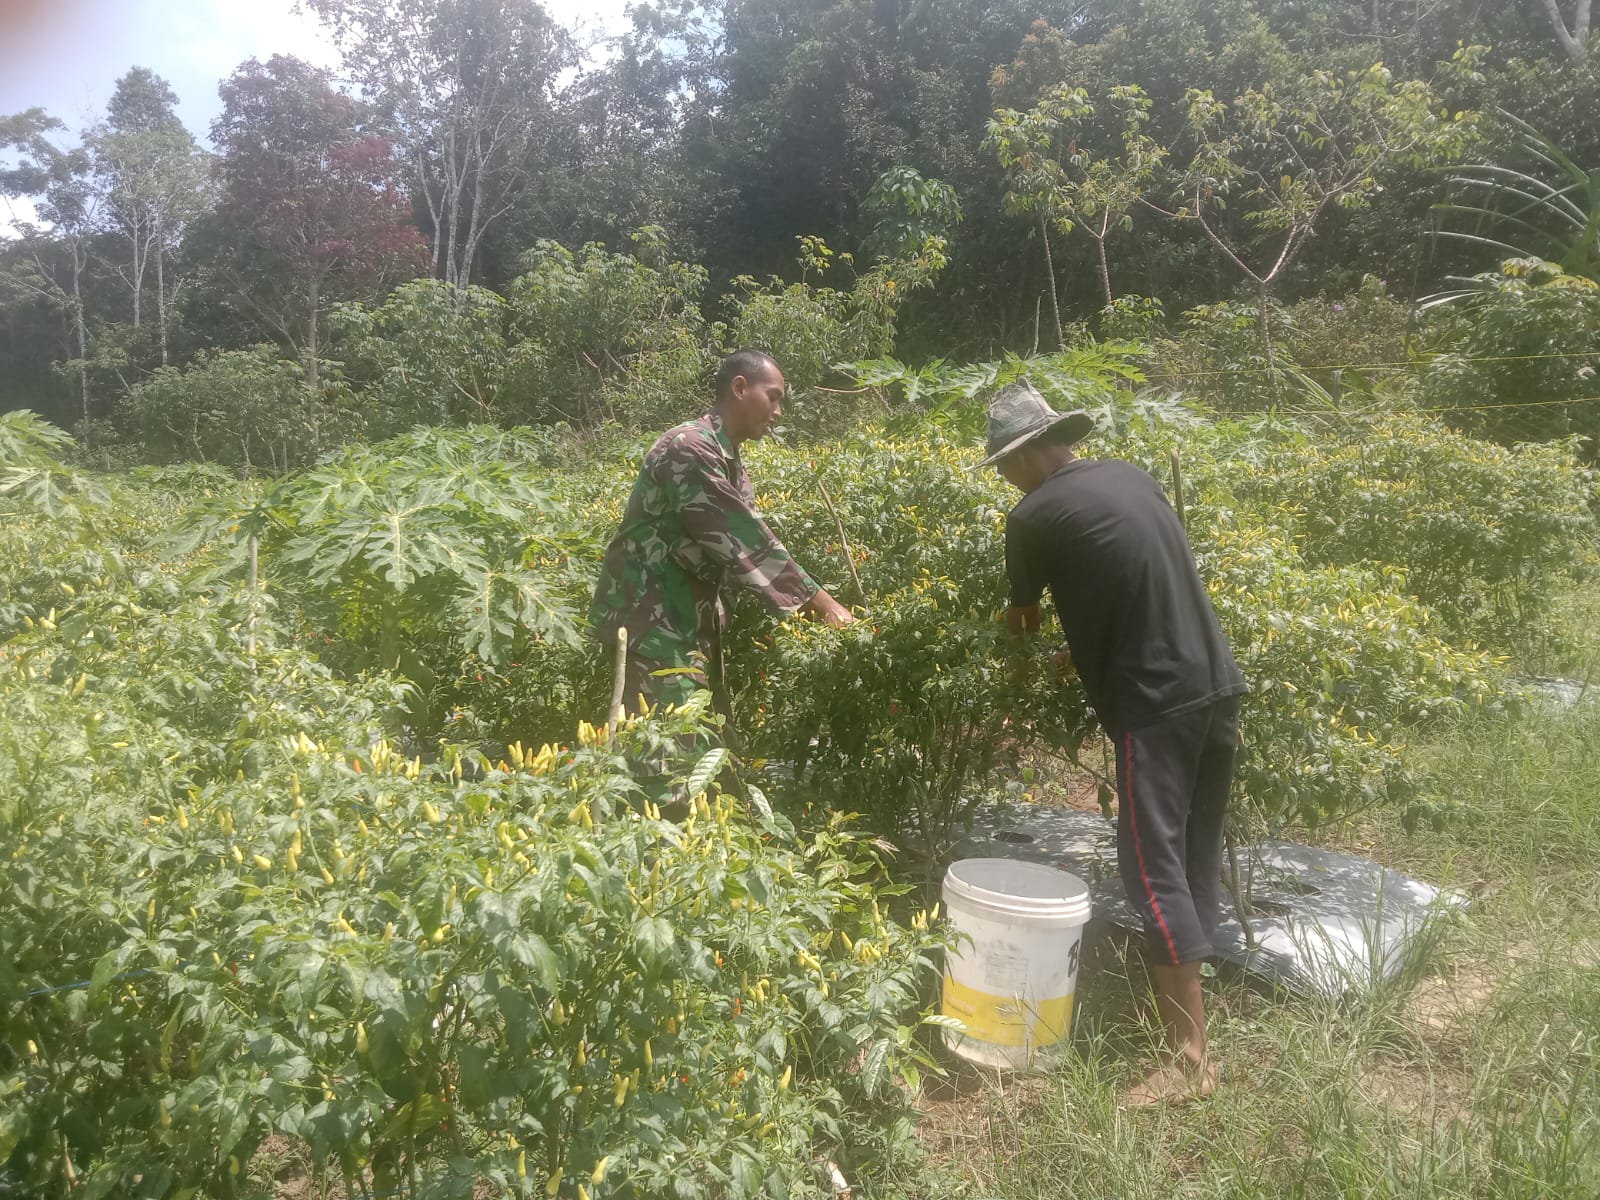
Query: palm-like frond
(1538, 203)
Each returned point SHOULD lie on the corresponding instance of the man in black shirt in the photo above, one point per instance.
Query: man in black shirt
(1145, 641)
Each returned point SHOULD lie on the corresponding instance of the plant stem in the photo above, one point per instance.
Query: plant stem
(255, 580)
(844, 540)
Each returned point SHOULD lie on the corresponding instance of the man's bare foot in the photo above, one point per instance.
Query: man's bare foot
(1173, 1081)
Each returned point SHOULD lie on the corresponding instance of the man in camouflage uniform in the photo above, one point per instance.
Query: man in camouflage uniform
(690, 528)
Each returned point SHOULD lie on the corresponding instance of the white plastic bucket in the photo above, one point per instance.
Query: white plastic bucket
(1012, 985)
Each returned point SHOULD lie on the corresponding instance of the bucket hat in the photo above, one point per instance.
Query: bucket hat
(1019, 414)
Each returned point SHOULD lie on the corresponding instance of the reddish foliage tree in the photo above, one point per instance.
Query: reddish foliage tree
(312, 212)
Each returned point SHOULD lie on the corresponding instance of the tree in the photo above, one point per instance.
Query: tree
(617, 159)
(243, 408)
(1054, 172)
(908, 210)
(155, 181)
(311, 212)
(802, 106)
(1514, 354)
(1265, 169)
(429, 354)
(1574, 40)
(467, 87)
(61, 183)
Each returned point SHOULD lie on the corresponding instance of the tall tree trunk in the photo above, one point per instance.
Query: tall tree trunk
(138, 278)
(1264, 327)
(469, 249)
(452, 204)
(161, 299)
(1576, 40)
(1100, 244)
(311, 348)
(79, 327)
(1050, 273)
(435, 215)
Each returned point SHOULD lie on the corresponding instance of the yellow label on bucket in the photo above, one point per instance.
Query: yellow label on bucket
(1003, 1020)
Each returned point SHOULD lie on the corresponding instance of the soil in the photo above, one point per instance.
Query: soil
(1058, 784)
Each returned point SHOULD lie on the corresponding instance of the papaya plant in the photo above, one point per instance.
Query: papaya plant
(429, 551)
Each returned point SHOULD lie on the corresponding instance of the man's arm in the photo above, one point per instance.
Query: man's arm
(1026, 587)
(1022, 617)
(823, 607)
(733, 535)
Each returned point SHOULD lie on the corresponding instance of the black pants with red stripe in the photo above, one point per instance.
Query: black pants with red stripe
(1173, 779)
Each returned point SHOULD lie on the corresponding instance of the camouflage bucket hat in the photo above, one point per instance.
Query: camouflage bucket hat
(1019, 414)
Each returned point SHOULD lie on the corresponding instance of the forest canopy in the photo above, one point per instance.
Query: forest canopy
(945, 180)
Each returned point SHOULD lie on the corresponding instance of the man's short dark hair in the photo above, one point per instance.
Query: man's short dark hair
(748, 362)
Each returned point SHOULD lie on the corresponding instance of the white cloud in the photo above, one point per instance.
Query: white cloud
(15, 213)
(70, 60)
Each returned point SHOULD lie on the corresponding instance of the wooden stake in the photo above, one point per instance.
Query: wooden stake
(618, 682)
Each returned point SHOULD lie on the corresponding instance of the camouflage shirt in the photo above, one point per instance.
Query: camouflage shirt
(690, 528)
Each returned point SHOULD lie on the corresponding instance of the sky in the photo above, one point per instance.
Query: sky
(66, 55)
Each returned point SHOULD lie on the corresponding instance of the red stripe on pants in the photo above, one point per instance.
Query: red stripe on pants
(1133, 821)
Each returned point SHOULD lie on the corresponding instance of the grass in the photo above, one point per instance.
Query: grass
(1479, 1076)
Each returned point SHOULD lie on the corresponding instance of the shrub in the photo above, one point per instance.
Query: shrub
(1343, 668)
(1484, 534)
(914, 713)
(429, 354)
(1217, 356)
(604, 336)
(1134, 319)
(1333, 338)
(419, 973)
(815, 329)
(234, 910)
(1516, 355)
(242, 408)
(436, 554)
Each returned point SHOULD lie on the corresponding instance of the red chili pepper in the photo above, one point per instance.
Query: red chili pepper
(738, 1007)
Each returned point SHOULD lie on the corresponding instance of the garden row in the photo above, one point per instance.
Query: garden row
(334, 860)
